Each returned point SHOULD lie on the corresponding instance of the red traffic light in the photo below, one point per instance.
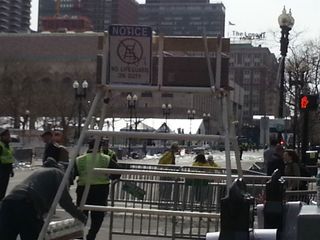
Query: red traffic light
(309, 102)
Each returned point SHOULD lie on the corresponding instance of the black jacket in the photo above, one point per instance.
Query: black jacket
(276, 162)
(40, 189)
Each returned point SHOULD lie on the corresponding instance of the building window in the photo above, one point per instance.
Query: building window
(167, 95)
(146, 94)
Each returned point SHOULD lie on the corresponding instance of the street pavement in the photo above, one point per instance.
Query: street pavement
(249, 158)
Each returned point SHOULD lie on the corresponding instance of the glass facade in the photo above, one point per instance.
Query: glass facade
(100, 12)
(188, 18)
(15, 15)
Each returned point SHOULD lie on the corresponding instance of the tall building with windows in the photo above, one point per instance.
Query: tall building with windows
(255, 69)
(183, 18)
(101, 13)
(15, 15)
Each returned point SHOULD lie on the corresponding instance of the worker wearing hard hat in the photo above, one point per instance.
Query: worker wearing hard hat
(6, 161)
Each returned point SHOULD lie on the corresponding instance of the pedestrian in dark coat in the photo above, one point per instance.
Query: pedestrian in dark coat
(276, 161)
(6, 161)
(23, 210)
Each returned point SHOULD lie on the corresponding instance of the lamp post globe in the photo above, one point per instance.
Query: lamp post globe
(131, 103)
(80, 92)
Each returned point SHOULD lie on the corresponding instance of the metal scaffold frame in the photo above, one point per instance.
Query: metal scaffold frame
(104, 89)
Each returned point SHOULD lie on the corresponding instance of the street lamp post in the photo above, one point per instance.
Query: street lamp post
(166, 110)
(132, 101)
(286, 22)
(191, 114)
(80, 94)
(26, 119)
(206, 121)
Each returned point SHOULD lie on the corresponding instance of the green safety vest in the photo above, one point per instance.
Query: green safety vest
(167, 158)
(7, 154)
(83, 166)
(198, 164)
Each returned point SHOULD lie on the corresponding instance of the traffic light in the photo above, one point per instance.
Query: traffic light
(308, 102)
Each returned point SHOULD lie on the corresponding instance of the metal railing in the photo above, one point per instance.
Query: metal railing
(165, 203)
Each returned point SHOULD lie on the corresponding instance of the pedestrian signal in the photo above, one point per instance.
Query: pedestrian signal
(309, 102)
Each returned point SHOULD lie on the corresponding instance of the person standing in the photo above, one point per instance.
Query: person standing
(200, 186)
(292, 168)
(267, 154)
(107, 151)
(211, 162)
(52, 149)
(6, 161)
(169, 156)
(165, 188)
(23, 210)
(99, 185)
(276, 161)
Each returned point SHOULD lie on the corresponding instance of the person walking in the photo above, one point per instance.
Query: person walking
(6, 161)
(23, 210)
(99, 185)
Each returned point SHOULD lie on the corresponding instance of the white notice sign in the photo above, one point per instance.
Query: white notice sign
(130, 54)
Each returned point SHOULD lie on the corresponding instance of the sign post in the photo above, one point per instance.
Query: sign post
(130, 54)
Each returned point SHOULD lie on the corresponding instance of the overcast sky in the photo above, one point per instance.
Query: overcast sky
(256, 16)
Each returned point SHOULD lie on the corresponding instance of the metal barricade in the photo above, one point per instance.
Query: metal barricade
(189, 211)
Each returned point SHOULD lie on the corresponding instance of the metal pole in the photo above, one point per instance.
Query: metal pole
(79, 116)
(281, 98)
(295, 117)
(130, 128)
(305, 133)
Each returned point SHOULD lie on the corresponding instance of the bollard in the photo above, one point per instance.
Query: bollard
(274, 206)
(236, 213)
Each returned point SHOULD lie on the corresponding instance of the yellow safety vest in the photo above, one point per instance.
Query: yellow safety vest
(198, 164)
(167, 158)
(7, 154)
(83, 166)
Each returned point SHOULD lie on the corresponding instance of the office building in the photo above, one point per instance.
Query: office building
(183, 18)
(255, 69)
(101, 13)
(15, 15)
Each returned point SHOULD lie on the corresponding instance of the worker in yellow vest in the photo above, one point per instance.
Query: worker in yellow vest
(6, 161)
(169, 156)
(165, 189)
(99, 185)
(200, 186)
